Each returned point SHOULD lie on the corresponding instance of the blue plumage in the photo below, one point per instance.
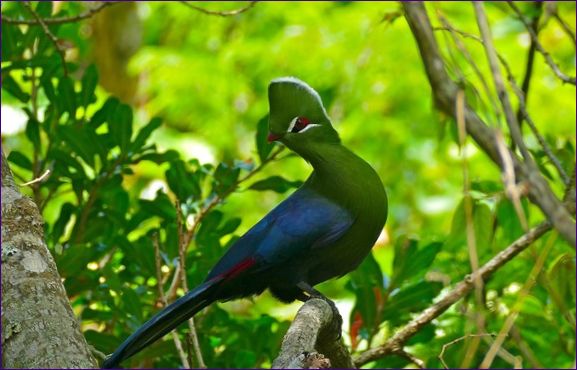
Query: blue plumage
(304, 221)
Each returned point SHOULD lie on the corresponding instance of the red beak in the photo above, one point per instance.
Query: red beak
(273, 137)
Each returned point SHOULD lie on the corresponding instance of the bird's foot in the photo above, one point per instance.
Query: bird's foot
(334, 330)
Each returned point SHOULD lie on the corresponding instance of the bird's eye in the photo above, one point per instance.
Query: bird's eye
(298, 124)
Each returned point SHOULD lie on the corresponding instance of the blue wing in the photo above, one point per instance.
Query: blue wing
(303, 221)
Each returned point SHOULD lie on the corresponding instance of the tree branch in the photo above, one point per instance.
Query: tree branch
(220, 13)
(307, 333)
(444, 94)
(398, 340)
(39, 329)
(50, 36)
(554, 67)
(35, 22)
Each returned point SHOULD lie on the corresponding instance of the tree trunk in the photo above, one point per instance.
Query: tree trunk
(39, 329)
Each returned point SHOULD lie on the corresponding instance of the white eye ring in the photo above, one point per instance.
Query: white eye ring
(292, 124)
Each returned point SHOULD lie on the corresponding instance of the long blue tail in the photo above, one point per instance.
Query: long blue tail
(164, 322)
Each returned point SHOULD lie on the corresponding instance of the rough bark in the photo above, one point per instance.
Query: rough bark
(39, 329)
(310, 332)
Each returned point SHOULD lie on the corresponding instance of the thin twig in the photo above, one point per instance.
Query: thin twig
(224, 13)
(470, 227)
(528, 66)
(192, 334)
(455, 341)
(50, 35)
(525, 114)
(554, 67)
(525, 349)
(35, 22)
(450, 28)
(493, 60)
(513, 191)
(410, 357)
(460, 290)
(463, 49)
(175, 338)
(38, 179)
(565, 26)
(510, 320)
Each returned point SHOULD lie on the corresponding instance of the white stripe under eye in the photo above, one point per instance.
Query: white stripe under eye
(309, 126)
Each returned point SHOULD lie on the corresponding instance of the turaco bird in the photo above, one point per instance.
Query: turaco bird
(323, 230)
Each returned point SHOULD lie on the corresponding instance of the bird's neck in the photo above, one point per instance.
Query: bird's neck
(342, 175)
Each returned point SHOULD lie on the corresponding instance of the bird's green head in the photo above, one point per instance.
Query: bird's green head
(297, 116)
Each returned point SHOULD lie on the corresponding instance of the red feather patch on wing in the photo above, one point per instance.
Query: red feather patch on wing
(240, 267)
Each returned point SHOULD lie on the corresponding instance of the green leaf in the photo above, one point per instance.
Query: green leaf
(11, 49)
(245, 359)
(367, 284)
(65, 164)
(182, 182)
(161, 206)
(44, 9)
(59, 226)
(102, 115)
(89, 82)
(120, 126)
(275, 183)
(424, 335)
(410, 299)
(12, 87)
(131, 304)
(263, 147)
(411, 263)
(67, 96)
(145, 133)
(487, 186)
(230, 226)
(20, 160)
(168, 156)
(225, 178)
(48, 87)
(74, 259)
(561, 274)
(208, 227)
(33, 132)
(78, 139)
(405, 250)
(483, 219)
(508, 221)
(138, 258)
(105, 343)
(483, 224)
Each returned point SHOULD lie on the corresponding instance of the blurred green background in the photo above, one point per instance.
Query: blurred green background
(206, 77)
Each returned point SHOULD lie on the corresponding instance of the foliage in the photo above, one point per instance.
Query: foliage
(125, 173)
